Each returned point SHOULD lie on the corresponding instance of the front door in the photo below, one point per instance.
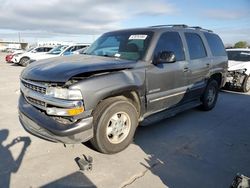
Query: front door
(167, 82)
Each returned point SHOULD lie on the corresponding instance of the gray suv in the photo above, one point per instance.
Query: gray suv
(125, 78)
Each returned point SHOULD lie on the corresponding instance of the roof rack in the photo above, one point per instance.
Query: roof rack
(171, 25)
(200, 28)
(183, 26)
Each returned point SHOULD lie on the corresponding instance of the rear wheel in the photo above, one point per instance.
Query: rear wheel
(115, 122)
(246, 84)
(24, 61)
(210, 95)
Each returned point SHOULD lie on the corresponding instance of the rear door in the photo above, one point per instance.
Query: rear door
(198, 63)
(167, 82)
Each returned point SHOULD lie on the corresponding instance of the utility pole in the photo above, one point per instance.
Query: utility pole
(19, 37)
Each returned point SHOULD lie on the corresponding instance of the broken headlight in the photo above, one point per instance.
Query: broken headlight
(63, 93)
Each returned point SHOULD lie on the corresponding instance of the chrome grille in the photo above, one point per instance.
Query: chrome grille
(35, 88)
(36, 102)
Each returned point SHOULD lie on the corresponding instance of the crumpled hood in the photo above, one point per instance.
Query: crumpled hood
(236, 65)
(61, 69)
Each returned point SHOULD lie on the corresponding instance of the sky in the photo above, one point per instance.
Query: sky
(85, 20)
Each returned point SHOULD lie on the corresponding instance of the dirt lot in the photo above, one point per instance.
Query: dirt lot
(192, 149)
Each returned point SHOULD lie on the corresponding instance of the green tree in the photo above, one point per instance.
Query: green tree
(240, 44)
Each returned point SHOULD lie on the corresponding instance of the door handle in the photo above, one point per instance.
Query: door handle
(185, 69)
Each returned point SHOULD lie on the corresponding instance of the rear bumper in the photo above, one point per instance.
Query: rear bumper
(43, 126)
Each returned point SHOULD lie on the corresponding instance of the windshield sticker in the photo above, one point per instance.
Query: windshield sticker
(138, 37)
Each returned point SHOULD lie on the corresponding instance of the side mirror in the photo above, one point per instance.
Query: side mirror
(166, 57)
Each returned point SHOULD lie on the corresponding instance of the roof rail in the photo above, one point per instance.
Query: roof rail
(183, 26)
(200, 28)
(173, 25)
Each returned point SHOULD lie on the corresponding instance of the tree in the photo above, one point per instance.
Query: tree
(240, 44)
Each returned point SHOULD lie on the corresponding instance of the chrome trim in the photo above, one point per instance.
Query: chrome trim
(48, 100)
(165, 97)
(34, 83)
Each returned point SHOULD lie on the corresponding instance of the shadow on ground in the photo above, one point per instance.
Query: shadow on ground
(77, 179)
(200, 149)
(8, 164)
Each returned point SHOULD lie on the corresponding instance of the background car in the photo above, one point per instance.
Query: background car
(22, 59)
(238, 69)
(61, 50)
(9, 57)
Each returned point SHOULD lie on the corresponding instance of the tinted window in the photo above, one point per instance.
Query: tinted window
(170, 41)
(47, 49)
(40, 49)
(239, 55)
(215, 44)
(195, 46)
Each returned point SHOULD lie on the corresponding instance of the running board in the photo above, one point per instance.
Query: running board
(169, 112)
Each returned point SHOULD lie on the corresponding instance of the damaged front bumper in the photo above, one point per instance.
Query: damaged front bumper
(235, 78)
(41, 125)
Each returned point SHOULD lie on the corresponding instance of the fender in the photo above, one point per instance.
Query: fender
(96, 88)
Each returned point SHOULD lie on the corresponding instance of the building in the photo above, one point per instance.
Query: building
(4, 45)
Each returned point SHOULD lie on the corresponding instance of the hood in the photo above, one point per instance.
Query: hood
(61, 69)
(235, 65)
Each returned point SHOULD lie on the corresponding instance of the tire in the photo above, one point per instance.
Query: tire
(115, 122)
(210, 95)
(246, 84)
(24, 61)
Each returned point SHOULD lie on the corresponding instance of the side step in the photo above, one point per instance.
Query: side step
(169, 112)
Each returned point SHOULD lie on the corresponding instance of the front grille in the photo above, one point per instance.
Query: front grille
(36, 102)
(33, 87)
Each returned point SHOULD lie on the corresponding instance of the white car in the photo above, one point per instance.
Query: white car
(238, 69)
(61, 50)
(23, 58)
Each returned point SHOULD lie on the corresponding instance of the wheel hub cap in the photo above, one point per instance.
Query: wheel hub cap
(118, 127)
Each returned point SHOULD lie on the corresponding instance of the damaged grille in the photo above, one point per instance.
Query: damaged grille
(36, 102)
(35, 88)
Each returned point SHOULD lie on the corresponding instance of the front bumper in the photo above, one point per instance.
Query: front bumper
(43, 126)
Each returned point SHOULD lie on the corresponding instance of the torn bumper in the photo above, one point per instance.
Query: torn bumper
(43, 126)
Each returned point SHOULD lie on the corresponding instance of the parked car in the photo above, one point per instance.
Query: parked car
(127, 77)
(81, 51)
(238, 76)
(61, 50)
(22, 59)
(9, 57)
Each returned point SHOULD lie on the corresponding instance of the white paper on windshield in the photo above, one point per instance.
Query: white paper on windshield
(138, 37)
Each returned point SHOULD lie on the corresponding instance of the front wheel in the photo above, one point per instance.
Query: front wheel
(246, 84)
(210, 95)
(24, 61)
(115, 122)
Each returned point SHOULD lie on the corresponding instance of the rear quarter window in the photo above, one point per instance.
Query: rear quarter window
(215, 44)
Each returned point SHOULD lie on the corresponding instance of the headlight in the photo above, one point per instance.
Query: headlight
(63, 93)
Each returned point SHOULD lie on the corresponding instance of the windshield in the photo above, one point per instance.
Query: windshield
(57, 50)
(123, 45)
(239, 55)
(30, 49)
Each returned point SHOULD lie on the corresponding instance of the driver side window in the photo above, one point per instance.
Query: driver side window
(170, 41)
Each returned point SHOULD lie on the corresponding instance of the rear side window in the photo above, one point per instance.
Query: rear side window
(170, 41)
(47, 49)
(195, 46)
(215, 44)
